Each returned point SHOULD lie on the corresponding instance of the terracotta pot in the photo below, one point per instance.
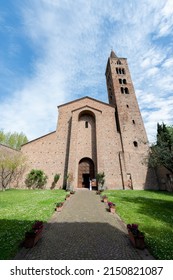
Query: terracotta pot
(112, 209)
(105, 199)
(58, 209)
(137, 241)
(32, 239)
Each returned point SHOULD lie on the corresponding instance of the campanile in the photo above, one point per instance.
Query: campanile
(129, 123)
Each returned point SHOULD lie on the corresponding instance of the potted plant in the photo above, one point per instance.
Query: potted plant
(67, 197)
(104, 198)
(59, 206)
(136, 236)
(111, 206)
(33, 236)
(72, 192)
(69, 179)
(101, 180)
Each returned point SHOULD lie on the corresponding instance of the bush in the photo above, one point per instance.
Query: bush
(36, 179)
(100, 179)
(55, 180)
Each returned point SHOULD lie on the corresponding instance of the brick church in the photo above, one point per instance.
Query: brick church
(93, 136)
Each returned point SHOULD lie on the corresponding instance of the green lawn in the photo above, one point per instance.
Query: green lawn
(18, 210)
(153, 212)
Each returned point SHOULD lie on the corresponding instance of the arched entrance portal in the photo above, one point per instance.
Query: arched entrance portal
(85, 172)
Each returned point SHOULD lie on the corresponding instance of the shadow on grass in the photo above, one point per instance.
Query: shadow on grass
(74, 241)
(158, 209)
(12, 233)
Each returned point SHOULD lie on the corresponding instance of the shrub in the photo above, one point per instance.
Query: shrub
(55, 180)
(36, 179)
(100, 179)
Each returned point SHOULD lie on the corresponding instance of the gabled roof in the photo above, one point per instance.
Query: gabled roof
(85, 97)
(39, 138)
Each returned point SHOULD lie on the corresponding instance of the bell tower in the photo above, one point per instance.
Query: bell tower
(129, 123)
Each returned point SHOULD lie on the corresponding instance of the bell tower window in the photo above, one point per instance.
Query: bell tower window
(86, 124)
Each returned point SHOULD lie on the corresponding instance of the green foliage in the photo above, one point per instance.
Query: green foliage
(69, 179)
(55, 180)
(162, 152)
(36, 179)
(152, 211)
(100, 177)
(12, 167)
(13, 140)
(18, 211)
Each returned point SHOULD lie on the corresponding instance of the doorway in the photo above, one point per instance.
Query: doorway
(86, 180)
(85, 172)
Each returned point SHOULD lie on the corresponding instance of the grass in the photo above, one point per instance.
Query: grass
(153, 212)
(18, 210)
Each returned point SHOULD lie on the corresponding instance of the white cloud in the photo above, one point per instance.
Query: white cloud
(71, 41)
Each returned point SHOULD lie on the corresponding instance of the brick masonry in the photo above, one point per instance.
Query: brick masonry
(111, 136)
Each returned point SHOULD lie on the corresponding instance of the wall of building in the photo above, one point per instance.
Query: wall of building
(165, 179)
(101, 145)
(42, 154)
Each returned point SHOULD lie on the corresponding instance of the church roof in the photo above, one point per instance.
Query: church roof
(85, 97)
(113, 55)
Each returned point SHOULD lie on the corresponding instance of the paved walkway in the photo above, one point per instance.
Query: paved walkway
(83, 230)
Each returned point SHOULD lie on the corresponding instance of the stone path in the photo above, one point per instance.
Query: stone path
(84, 230)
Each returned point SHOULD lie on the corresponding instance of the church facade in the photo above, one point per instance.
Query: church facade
(93, 137)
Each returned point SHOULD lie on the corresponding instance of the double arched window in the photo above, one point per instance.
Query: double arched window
(124, 90)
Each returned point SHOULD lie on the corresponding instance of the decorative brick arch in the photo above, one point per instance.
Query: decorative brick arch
(86, 172)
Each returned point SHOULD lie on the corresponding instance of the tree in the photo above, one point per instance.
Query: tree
(12, 167)
(55, 180)
(13, 140)
(69, 179)
(161, 153)
(100, 179)
(36, 179)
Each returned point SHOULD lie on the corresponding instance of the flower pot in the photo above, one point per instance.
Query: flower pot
(112, 209)
(31, 239)
(137, 240)
(104, 199)
(58, 208)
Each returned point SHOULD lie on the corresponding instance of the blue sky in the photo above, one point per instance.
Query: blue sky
(54, 51)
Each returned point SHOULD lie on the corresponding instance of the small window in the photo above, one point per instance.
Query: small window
(135, 144)
(120, 81)
(124, 81)
(126, 91)
(123, 71)
(127, 106)
(86, 124)
(117, 71)
(122, 90)
(133, 121)
(118, 62)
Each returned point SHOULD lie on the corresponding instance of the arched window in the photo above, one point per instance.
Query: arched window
(133, 121)
(118, 62)
(122, 90)
(117, 71)
(124, 81)
(120, 81)
(123, 71)
(135, 144)
(126, 91)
